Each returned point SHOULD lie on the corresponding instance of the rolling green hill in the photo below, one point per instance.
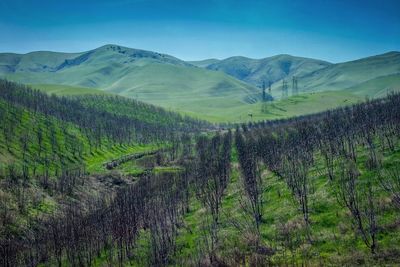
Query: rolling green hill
(148, 76)
(349, 74)
(270, 69)
(371, 76)
(377, 87)
(217, 90)
(219, 110)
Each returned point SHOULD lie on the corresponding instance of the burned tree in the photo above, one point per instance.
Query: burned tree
(362, 206)
(213, 171)
(251, 177)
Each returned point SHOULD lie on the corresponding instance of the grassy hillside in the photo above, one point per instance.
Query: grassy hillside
(271, 69)
(344, 75)
(377, 87)
(66, 90)
(218, 109)
(50, 133)
(282, 108)
(149, 204)
(55, 155)
(282, 230)
(144, 75)
(373, 74)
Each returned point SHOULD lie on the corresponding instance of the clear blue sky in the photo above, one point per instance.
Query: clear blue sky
(334, 30)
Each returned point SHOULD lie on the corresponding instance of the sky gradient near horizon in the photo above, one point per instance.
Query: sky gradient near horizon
(332, 30)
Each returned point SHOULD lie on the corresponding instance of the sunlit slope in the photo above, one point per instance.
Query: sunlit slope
(298, 105)
(377, 87)
(344, 75)
(66, 90)
(186, 88)
(152, 77)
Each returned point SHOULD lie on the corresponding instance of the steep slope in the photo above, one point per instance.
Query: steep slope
(349, 74)
(152, 77)
(271, 69)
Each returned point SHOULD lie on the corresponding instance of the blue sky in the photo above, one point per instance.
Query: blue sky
(335, 30)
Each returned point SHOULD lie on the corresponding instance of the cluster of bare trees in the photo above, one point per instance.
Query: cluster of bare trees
(49, 137)
(79, 232)
(289, 148)
(251, 177)
(48, 133)
(98, 123)
(111, 225)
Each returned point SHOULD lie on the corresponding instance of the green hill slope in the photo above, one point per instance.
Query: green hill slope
(349, 74)
(66, 90)
(270, 69)
(377, 87)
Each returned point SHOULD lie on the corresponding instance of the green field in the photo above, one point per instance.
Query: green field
(66, 90)
(227, 109)
(292, 106)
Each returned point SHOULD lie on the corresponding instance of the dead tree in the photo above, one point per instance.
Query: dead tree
(361, 206)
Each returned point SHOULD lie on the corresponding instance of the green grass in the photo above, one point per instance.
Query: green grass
(221, 109)
(28, 125)
(378, 87)
(96, 160)
(292, 106)
(344, 75)
(66, 90)
(332, 232)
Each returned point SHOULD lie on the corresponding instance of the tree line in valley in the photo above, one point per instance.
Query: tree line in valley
(110, 226)
(46, 136)
(99, 124)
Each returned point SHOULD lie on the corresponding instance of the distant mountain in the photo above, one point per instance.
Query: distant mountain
(350, 74)
(270, 69)
(149, 76)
